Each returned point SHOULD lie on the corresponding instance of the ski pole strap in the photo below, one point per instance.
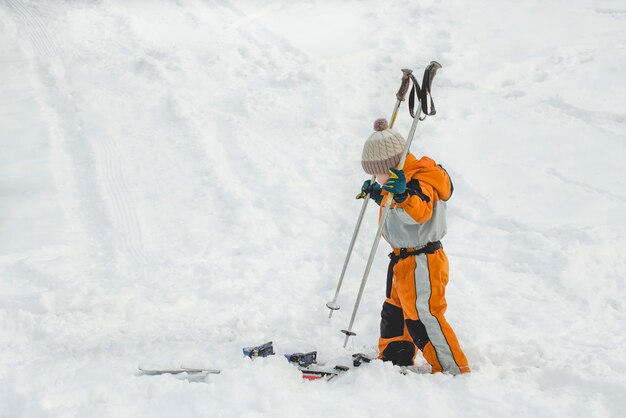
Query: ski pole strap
(403, 253)
(423, 95)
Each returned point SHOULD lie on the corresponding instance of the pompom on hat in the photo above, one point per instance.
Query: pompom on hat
(383, 149)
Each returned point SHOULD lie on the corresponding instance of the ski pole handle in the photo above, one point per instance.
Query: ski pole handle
(401, 94)
(404, 87)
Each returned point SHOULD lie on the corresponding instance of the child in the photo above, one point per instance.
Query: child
(412, 315)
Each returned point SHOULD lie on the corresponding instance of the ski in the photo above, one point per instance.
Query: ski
(317, 371)
(306, 362)
(254, 352)
(330, 372)
(154, 370)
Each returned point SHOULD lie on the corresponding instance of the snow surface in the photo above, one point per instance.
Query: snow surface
(177, 181)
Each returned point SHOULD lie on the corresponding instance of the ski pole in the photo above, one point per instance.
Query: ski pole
(429, 74)
(400, 95)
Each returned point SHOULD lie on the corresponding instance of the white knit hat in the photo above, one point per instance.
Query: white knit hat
(383, 149)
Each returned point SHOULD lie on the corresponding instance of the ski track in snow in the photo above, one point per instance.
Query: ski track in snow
(587, 187)
(79, 146)
(611, 123)
(124, 209)
(42, 40)
(204, 158)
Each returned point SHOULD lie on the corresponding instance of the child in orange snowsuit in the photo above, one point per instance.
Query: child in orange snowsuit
(413, 312)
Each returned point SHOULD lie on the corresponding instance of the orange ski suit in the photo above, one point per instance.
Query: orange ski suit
(413, 312)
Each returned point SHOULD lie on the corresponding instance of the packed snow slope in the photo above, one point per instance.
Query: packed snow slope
(177, 181)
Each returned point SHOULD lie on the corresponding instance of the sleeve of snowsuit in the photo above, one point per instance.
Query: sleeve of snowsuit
(418, 206)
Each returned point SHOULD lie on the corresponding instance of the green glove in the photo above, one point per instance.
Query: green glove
(396, 185)
(372, 189)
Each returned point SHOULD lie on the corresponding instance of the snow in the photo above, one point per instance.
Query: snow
(178, 179)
